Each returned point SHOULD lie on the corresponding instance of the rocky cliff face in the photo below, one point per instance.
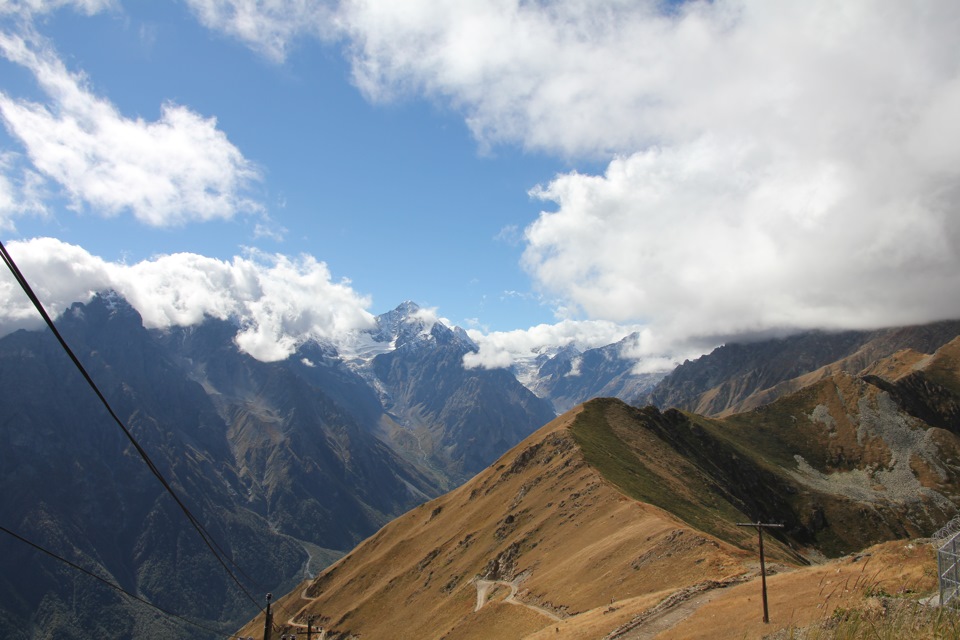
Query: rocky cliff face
(855, 458)
(299, 438)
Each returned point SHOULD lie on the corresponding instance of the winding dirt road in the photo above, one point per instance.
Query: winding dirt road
(484, 586)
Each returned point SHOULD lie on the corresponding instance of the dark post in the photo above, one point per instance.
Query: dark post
(267, 620)
(310, 628)
(763, 577)
(763, 569)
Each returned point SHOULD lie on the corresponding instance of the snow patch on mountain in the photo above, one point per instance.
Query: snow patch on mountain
(574, 367)
(361, 347)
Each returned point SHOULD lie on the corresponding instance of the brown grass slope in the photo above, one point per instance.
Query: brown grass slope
(542, 519)
(610, 515)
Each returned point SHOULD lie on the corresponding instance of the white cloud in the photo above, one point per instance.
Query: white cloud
(278, 302)
(17, 196)
(499, 349)
(270, 229)
(612, 76)
(428, 316)
(726, 238)
(59, 274)
(267, 26)
(180, 168)
(771, 164)
(775, 164)
(28, 8)
(557, 77)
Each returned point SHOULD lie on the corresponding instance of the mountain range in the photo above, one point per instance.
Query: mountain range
(615, 521)
(289, 464)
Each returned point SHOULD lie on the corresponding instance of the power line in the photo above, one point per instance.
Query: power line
(201, 530)
(116, 587)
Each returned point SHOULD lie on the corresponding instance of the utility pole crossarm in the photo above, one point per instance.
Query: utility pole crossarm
(760, 526)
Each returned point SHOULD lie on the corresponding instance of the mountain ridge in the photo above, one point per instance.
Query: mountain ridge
(308, 456)
(842, 463)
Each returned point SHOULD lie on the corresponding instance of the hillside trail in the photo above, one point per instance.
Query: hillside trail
(319, 635)
(674, 609)
(670, 612)
(667, 618)
(484, 586)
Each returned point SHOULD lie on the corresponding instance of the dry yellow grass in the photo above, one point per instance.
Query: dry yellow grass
(805, 597)
(572, 543)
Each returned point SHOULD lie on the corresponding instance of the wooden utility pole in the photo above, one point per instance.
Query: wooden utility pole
(268, 620)
(763, 569)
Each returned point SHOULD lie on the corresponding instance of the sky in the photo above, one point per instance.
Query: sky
(540, 173)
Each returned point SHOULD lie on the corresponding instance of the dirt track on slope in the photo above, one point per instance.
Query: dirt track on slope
(484, 586)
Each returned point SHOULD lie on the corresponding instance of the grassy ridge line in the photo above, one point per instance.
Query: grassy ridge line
(688, 494)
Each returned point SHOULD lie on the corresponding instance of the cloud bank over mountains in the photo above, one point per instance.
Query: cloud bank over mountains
(277, 301)
(775, 165)
(769, 165)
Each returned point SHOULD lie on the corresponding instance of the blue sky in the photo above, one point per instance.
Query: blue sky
(396, 197)
(540, 173)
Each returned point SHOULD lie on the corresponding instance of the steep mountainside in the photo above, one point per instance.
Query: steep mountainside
(405, 384)
(74, 484)
(611, 511)
(739, 377)
(460, 420)
(541, 526)
(306, 463)
(879, 450)
(285, 461)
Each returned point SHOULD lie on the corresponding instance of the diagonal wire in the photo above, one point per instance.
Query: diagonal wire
(204, 534)
(114, 586)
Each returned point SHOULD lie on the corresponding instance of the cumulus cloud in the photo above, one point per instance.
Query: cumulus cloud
(522, 72)
(180, 168)
(774, 164)
(428, 316)
(277, 301)
(612, 76)
(771, 165)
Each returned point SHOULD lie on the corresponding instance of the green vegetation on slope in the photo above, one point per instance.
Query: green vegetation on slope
(714, 473)
(618, 442)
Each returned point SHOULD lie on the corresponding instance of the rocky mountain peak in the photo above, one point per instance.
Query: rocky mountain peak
(105, 305)
(400, 325)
